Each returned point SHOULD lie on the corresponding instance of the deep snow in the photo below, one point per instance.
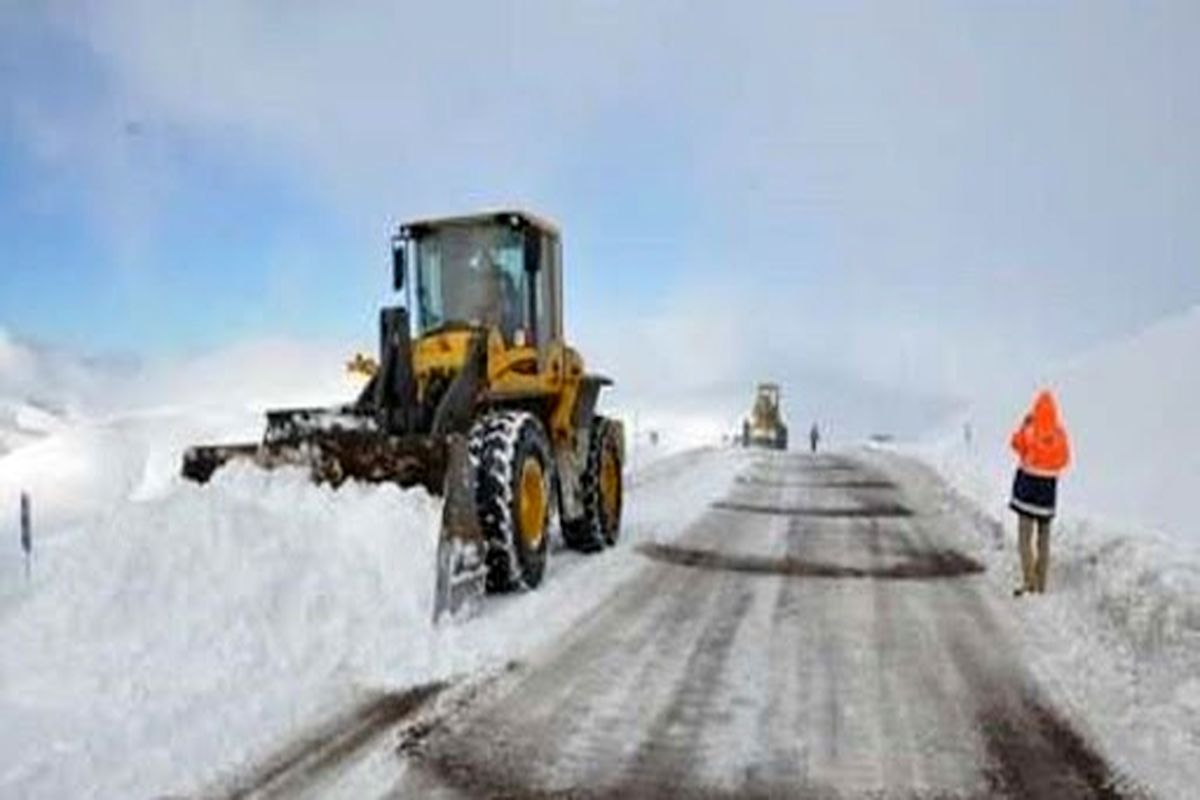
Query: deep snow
(181, 628)
(83, 436)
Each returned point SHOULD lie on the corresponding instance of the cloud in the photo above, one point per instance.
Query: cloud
(906, 199)
(372, 97)
(93, 161)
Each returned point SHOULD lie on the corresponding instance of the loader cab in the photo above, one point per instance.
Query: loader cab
(768, 396)
(501, 270)
(766, 406)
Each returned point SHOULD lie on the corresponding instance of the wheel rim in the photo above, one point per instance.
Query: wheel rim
(610, 486)
(531, 504)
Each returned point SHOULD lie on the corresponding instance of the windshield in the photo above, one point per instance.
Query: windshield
(471, 274)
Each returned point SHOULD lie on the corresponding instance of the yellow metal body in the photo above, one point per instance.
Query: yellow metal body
(513, 373)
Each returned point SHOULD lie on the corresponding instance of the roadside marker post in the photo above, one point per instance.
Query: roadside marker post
(26, 532)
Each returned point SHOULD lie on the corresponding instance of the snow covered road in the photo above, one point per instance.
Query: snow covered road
(820, 632)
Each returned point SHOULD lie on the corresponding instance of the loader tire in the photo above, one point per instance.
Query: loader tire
(601, 490)
(513, 479)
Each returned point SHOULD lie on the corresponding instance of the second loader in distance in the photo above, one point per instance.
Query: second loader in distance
(765, 427)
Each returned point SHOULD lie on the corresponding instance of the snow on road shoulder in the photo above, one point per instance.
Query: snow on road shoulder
(190, 632)
(184, 630)
(1116, 638)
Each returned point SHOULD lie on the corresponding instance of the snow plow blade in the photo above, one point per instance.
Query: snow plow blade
(461, 568)
(333, 452)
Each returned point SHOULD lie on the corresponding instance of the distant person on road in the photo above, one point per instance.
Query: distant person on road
(814, 437)
(1041, 444)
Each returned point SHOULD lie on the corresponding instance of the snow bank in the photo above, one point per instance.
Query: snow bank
(86, 469)
(55, 380)
(186, 629)
(167, 627)
(124, 429)
(25, 422)
(189, 633)
(39, 391)
(1117, 637)
(1119, 631)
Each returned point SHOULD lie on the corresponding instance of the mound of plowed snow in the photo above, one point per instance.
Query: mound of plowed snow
(206, 620)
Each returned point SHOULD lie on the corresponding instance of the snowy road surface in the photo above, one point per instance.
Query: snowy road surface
(819, 632)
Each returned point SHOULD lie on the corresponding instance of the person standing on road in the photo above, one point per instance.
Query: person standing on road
(1041, 444)
(814, 437)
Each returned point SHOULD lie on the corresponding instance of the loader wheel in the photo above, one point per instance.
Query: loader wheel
(512, 463)
(601, 491)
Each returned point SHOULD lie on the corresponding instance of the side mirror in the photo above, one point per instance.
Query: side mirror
(398, 263)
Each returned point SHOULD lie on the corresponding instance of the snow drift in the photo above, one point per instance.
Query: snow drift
(42, 390)
(186, 628)
(54, 380)
(199, 628)
(111, 430)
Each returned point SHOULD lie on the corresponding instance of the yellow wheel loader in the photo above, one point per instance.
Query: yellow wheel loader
(765, 427)
(477, 397)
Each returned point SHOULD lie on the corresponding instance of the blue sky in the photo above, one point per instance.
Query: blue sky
(905, 201)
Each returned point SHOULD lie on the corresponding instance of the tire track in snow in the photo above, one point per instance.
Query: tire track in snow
(324, 750)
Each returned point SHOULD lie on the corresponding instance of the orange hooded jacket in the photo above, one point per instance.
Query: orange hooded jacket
(1041, 440)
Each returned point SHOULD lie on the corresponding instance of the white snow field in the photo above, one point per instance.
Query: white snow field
(1119, 629)
(172, 634)
(37, 393)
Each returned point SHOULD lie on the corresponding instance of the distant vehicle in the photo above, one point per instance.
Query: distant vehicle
(765, 427)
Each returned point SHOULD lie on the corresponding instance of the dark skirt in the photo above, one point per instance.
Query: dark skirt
(1034, 495)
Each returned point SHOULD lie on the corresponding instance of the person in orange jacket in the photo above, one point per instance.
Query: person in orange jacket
(1041, 444)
